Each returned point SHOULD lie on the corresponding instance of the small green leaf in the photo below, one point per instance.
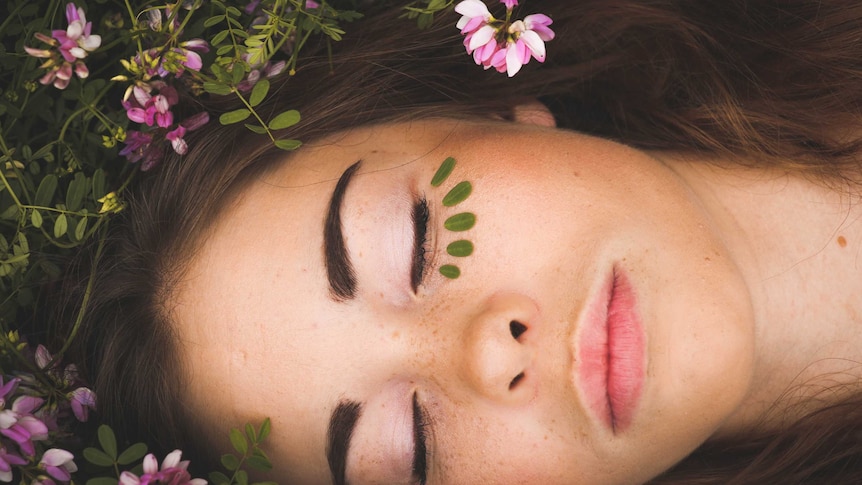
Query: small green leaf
(443, 172)
(460, 248)
(237, 73)
(240, 444)
(250, 433)
(218, 478)
(242, 477)
(76, 192)
(36, 218)
(99, 184)
(132, 454)
(60, 226)
(213, 20)
(219, 37)
(102, 481)
(234, 116)
(216, 88)
(265, 428)
(460, 222)
(46, 190)
(81, 228)
(229, 461)
(108, 441)
(258, 92)
(97, 457)
(458, 194)
(284, 120)
(10, 213)
(450, 271)
(255, 128)
(258, 463)
(288, 144)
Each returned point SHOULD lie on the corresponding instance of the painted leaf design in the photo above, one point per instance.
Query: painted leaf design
(460, 222)
(443, 172)
(460, 248)
(450, 271)
(458, 194)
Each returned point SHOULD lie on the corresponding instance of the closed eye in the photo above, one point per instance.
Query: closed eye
(420, 239)
(420, 450)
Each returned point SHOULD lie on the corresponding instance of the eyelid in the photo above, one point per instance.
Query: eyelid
(422, 255)
(420, 440)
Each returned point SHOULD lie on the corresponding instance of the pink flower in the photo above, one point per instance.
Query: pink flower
(76, 40)
(58, 464)
(72, 45)
(173, 471)
(475, 15)
(500, 44)
(152, 109)
(19, 424)
(6, 461)
(82, 400)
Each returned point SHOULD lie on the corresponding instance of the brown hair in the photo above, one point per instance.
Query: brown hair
(779, 81)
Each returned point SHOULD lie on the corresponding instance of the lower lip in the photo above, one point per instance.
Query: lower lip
(611, 354)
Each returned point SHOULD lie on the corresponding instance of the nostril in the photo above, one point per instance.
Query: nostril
(517, 329)
(516, 380)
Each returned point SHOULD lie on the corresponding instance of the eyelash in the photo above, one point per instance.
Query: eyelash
(420, 453)
(420, 229)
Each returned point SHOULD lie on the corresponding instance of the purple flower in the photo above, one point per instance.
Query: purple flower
(510, 4)
(82, 400)
(76, 40)
(72, 45)
(19, 424)
(6, 461)
(152, 109)
(173, 472)
(139, 146)
(58, 464)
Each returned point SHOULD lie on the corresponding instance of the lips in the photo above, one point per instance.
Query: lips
(610, 354)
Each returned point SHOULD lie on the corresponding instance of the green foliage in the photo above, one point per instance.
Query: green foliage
(423, 11)
(249, 454)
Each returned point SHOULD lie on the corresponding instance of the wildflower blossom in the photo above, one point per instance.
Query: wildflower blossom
(18, 424)
(69, 47)
(8, 459)
(173, 471)
(58, 464)
(82, 400)
(147, 107)
(502, 44)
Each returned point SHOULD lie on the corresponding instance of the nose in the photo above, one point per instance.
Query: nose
(499, 348)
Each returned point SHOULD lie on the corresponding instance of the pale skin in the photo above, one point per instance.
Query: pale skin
(747, 283)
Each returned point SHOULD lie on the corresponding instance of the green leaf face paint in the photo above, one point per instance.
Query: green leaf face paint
(450, 271)
(458, 194)
(459, 222)
(443, 172)
(460, 248)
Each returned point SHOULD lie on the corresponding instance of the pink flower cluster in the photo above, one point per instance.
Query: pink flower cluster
(68, 49)
(149, 100)
(503, 44)
(22, 425)
(173, 472)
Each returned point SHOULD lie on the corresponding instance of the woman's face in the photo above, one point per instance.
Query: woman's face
(597, 334)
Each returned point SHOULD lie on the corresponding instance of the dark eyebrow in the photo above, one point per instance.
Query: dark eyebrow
(339, 270)
(341, 425)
